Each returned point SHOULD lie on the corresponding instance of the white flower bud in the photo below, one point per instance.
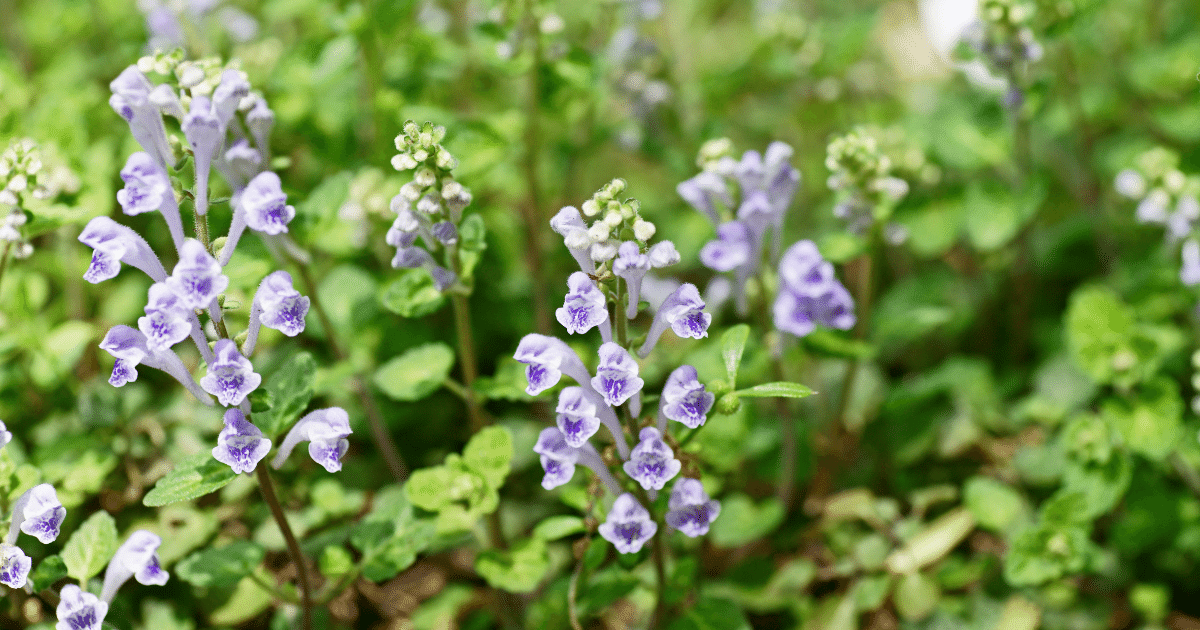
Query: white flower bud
(17, 219)
(1131, 184)
(411, 191)
(189, 75)
(445, 160)
(602, 252)
(599, 232)
(23, 250)
(18, 183)
(577, 239)
(420, 155)
(9, 233)
(613, 219)
(1174, 181)
(643, 230)
(451, 189)
(404, 162)
(425, 177)
(590, 208)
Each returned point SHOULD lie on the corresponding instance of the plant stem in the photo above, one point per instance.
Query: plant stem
(531, 211)
(379, 433)
(660, 570)
(466, 353)
(268, 491)
(4, 261)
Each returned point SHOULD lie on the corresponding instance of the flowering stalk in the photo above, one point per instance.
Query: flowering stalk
(267, 487)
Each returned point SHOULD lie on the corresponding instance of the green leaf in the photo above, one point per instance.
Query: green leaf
(49, 571)
(994, 505)
(472, 241)
(1151, 421)
(291, 389)
(742, 521)
(1045, 553)
(195, 476)
(837, 344)
(507, 384)
(604, 588)
(916, 596)
(776, 390)
(519, 570)
(90, 547)
(1105, 341)
(391, 536)
(557, 527)
(711, 614)
(733, 343)
(490, 453)
(427, 488)
(223, 567)
(413, 294)
(417, 373)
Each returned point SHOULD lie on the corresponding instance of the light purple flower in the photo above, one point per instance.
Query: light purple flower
(569, 224)
(148, 189)
(260, 119)
(558, 457)
(683, 312)
(167, 319)
(265, 204)
(804, 271)
(731, 250)
(136, 558)
(628, 525)
(5, 435)
(229, 92)
(662, 254)
(79, 609)
(38, 513)
(684, 398)
(240, 445)
(576, 416)
(700, 192)
(197, 278)
(689, 509)
(413, 257)
(326, 431)
(128, 347)
(230, 377)
(115, 244)
(632, 265)
(131, 100)
(617, 375)
(546, 360)
(652, 463)
(445, 232)
(206, 136)
(14, 566)
(799, 314)
(241, 163)
(584, 306)
(1189, 272)
(278, 305)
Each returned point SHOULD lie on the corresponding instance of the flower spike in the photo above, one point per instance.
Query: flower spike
(326, 431)
(683, 312)
(240, 445)
(628, 525)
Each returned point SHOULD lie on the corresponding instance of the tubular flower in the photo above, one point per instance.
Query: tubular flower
(584, 307)
(79, 609)
(628, 525)
(684, 399)
(576, 416)
(115, 244)
(240, 445)
(652, 463)
(617, 375)
(230, 377)
(14, 566)
(326, 431)
(683, 312)
(137, 558)
(38, 513)
(689, 509)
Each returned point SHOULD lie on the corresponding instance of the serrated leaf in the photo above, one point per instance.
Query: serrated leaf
(416, 373)
(776, 390)
(221, 567)
(519, 570)
(291, 389)
(48, 571)
(427, 488)
(490, 453)
(733, 344)
(90, 547)
(413, 294)
(195, 476)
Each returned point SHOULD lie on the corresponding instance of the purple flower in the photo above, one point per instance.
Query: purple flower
(632, 265)
(240, 445)
(700, 192)
(230, 377)
(576, 416)
(205, 135)
(546, 360)
(131, 100)
(652, 463)
(278, 305)
(128, 346)
(804, 271)
(799, 314)
(732, 249)
(197, 278)
(683, 312)
(413, 257)
(115, 244)
(137, 558)
(1189, 273)
(617, 375)
(558, 457)
(326, 431)
(147, 189)
(260, 119)
(242, 163)
(38, 513)
(689, 509)
(684, 398)
(79, 609)
(14, 566)
(569, 224)
(584, 306)
(265, 205)
(167, 320)
(445, 232)
(230, 91)
(628, 525)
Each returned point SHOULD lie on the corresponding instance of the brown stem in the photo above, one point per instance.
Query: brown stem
(531, 211)
(379, 433)
(268, 491)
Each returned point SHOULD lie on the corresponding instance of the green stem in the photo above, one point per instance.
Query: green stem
(532, 210)
(379, 433)
(466, 346)
(268, 491)
(4, 261)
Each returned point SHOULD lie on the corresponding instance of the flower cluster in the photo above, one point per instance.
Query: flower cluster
(39, 513)
(430, 206)
(170, 21)
(1003, 39)
(604, 292)
(225, 128)
(810, 293)
(862, 176)
(136, 558)
(1166, 197)
(26, 174)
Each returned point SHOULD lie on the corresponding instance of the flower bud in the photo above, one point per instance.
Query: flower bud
(590, 208)
(729, 404)
(643, 230)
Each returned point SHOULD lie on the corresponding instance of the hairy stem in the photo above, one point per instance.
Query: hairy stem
(268, 491)
(379, 433)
